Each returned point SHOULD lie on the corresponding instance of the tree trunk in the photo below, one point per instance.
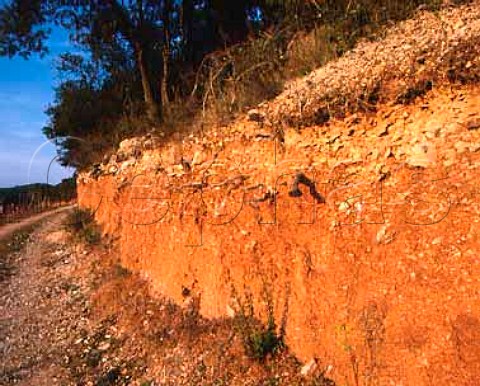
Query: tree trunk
(166, 56)
(164, 85)
(152, 108)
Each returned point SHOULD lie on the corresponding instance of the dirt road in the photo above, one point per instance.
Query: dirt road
(36, 310)
(8, 229)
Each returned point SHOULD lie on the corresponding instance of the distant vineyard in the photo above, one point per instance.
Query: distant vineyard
(22, 201)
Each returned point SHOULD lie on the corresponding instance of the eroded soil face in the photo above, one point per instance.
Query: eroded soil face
(380, 281)
(71, 315)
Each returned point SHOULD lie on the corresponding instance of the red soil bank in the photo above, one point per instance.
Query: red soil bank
(381, 282)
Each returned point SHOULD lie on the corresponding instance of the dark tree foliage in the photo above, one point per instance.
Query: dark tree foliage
(28, 195)
(139, 57)
(19, 29)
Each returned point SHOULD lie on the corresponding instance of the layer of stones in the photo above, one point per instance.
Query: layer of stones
(412, 57)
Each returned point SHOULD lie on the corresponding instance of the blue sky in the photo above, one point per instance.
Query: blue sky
(26, 89)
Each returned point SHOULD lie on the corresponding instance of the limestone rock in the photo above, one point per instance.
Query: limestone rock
(422, 155)
(385, 235)
(310, 367)
(131, 147)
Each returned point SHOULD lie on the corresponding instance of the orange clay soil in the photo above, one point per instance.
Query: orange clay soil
(380, 283)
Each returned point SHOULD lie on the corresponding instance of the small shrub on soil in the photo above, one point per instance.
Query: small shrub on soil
(259, 339)
(83, 226)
